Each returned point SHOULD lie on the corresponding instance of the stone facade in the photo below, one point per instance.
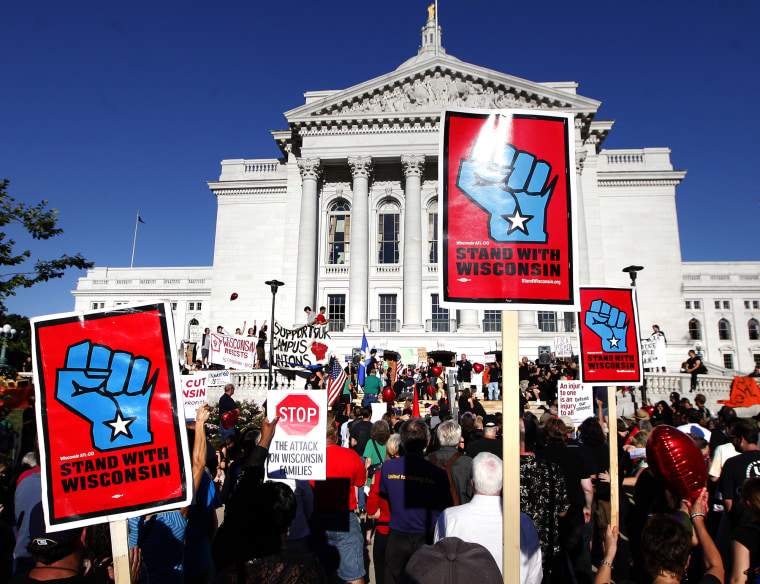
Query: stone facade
(346, 218)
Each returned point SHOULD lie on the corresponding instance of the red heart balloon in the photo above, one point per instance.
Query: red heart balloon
(478, 367)
(229, 419)
(388, 395)
(233, 296)
(676, 460)
(437, 371)
(649, 410)
(431, 391)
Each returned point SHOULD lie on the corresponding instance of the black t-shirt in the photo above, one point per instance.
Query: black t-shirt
(360, 431)
(735, 471)
(492, 445)
(226, 404)
(749, 536)
(464, 371)
(573, 467)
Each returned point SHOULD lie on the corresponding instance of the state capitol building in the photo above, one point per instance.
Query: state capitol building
(348, 216)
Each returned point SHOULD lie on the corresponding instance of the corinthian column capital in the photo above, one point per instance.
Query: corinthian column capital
(413, 164)
(310, 168)
(361, 166)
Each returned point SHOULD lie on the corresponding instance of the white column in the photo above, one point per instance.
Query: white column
(526, 320)
(306, 270)
(414, 166)
(468, 320)
(358, 291)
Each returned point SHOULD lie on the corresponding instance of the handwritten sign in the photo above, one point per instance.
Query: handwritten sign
(194, 393)
(233, 351)
(301, 347)
(575, 400)
(563, 348)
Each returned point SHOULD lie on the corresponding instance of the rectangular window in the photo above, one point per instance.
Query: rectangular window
(340, 230)
(756, 357)
(727, 305)
(717, 304)
(194, 305)
(440, 316)
(492, 321)
(756, 304)
(547, 321)
(174, 306)
(746, 304)
(688, 305)
(97, 305)
(433, 238)
(388, 313)
(388, 235)
(728, 360)
(698, 305)
(336, 311)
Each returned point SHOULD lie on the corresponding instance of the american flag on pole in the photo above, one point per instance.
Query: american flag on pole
(399, 369)
(335, 382)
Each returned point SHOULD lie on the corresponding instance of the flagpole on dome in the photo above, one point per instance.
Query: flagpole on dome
(134, 241)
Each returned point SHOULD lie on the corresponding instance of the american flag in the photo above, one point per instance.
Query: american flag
(335, 382)
(398, 372)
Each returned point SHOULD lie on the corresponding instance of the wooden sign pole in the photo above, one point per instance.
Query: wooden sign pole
(120, 551)
(612, 437)
(510, 404)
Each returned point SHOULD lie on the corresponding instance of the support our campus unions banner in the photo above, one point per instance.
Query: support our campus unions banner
(508, 227)
(609, 336)
(301, 347)
(112, 435)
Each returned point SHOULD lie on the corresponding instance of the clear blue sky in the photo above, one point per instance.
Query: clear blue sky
(110, 106)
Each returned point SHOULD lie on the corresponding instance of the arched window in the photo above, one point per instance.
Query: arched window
(724, 330)
(433, 232)
(754, 329)
(339, 236)
(387, 233)
(695, 330)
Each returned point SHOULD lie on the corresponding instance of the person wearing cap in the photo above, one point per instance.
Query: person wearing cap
(452, 561)
(490, 442)
(481, 520)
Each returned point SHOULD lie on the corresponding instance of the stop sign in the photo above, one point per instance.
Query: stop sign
(298, 415)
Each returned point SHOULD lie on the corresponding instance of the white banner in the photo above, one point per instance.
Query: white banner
(301, 347)
(563, 348)
(194, 393)
(219, 378)
(653, 352)
(408, 356)
(575, 400)
(233, 352)
(299, 448)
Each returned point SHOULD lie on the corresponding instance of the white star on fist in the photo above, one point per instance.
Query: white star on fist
(517, 221)
(119, 425)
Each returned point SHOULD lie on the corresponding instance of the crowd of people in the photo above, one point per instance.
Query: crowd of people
(424, 495)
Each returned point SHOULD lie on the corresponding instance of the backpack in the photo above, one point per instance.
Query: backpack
(447, 467)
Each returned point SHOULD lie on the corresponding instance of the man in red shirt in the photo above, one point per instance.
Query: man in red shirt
(321, 318)
(335, 529)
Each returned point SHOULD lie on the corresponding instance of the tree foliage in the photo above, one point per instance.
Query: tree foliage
(40, 223)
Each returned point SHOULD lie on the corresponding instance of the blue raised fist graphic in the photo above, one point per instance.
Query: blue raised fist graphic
(111, 390)
(511, 185)
(610, 324)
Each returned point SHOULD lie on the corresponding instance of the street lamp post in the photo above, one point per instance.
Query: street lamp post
(6, 334)
(273, 284)
(633, 271)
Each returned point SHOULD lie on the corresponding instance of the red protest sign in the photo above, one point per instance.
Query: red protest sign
(507, 229)
(109, 413)
(609, 336)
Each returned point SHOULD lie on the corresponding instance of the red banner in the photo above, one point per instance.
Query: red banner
(507, 229)
(109, 413)
(609, 336)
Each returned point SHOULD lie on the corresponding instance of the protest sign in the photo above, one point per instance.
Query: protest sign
(378, 411)
(575, 400)
(112, 438)
(301, 347)
(299, 447)
(408, 356)
(508, 216)
(489, 358)
(233, 351)
(609, 335)
(421, 355)
(193, 393)
(219, 378)
(653, 352)
(563, 347)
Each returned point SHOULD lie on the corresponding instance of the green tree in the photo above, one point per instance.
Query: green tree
(40, 223)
